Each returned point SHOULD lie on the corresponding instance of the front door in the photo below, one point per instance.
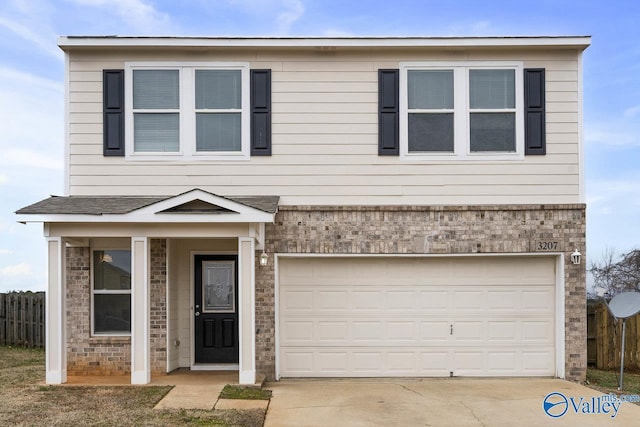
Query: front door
(216, 309)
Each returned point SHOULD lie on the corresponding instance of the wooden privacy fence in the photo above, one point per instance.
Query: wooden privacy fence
(603, 339)
(22, 319)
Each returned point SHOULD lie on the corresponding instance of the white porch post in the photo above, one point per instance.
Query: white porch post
(140, 366)
(247, 326)
(56, 354)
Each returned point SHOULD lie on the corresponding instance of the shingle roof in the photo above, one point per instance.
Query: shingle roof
(105, 205)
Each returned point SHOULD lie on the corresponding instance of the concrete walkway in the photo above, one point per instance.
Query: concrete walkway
(191, 389)
(433, 402)
(200, 390)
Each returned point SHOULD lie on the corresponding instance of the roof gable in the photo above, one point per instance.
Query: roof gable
(193, 206)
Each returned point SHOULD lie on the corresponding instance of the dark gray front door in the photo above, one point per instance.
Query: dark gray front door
(216, 309)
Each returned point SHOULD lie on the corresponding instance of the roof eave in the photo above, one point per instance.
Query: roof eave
(69, 42)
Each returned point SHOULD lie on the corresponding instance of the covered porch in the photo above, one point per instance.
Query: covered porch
(144, 286)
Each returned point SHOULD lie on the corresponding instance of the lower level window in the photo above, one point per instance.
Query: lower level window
(111, 292)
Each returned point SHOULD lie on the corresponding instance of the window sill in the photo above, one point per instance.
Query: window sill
(473, 157)
(235, 157)
(110, 339)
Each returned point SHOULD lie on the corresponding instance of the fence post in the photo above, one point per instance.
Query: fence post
(3, 320)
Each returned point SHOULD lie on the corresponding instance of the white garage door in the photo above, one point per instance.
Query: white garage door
(374, 317)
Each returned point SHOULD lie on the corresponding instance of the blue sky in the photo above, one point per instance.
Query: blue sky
(32, 72)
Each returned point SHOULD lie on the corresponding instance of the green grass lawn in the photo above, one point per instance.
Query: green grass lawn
(26, 401)
(607, 381)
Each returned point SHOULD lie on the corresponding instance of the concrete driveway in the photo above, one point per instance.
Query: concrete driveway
(438, 402)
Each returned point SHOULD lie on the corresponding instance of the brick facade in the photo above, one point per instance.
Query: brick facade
(87, 355)
(427, 230)
(158, 305)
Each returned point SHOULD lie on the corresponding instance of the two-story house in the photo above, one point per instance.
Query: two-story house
(319, 207)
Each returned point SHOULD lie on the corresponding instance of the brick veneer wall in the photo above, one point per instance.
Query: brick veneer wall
(427, 230)
(158, 307)
(87, 355)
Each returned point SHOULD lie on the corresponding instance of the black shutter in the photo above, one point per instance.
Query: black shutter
(113, 112)
(260, 112)
(534, 114)
(388, 112)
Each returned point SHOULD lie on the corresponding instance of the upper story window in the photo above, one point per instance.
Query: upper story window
(461, 110)
(187, 111)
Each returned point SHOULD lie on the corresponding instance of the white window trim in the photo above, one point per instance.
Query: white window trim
(105, 292)
(187, 149)
(462, 131)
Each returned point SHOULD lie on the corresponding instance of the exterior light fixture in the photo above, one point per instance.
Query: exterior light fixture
(264, 259)
(575, 257)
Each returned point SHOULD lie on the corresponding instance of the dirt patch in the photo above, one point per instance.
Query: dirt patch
(26, 401)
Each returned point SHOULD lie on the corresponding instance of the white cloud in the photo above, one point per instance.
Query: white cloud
(30, 158)
(45, 43)
(470, 29)
(13, 77)
(609, 197)
(138, 14)
(291, 12)
(285, 13)
(615, 134)
(32, 120)
(3, 179)
(332, 32)
(632, 112)
(5, 252)
(22, 269)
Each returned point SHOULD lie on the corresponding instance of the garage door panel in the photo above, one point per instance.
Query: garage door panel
(401, 300)
(504, 300)
(366, 300)
(539, 331)
(537, 362)
(298, 332)
(469, 332)
(466, 300)
(501, 331)
(394, 316)
(435, 301)
(292, 300)
(370, 362)
(538, 300)
(503, 362)
(331, 300)
(435, 331)
(332, 332)
(402, 330)
(469, 362)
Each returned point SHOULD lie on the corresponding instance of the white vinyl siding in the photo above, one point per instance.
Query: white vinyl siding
(405, 316)
(325, 138)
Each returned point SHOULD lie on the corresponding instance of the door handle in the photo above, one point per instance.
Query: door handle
(197, 313)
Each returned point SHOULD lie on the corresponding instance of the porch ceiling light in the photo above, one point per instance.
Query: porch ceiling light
(575, 257)
(264, 259)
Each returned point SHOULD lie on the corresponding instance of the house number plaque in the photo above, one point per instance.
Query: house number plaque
(546, 246)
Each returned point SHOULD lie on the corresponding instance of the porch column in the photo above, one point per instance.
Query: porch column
(55, 318)
(140, 366)
(246, 295)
